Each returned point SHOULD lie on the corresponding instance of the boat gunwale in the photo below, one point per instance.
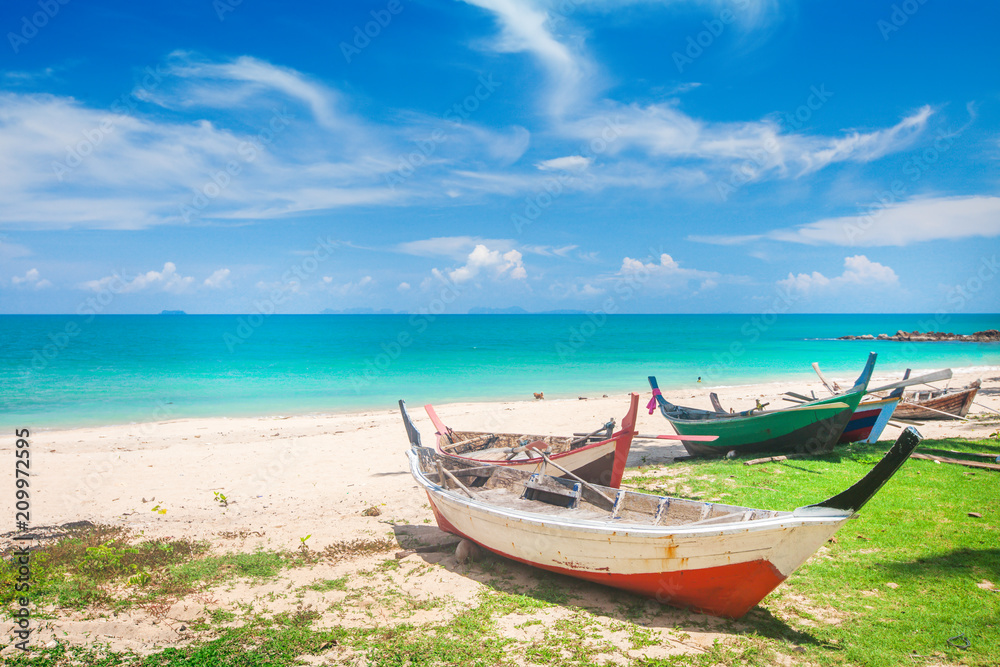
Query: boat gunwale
(834, 410)
(619, 528)
(860, 388)
(533, 459)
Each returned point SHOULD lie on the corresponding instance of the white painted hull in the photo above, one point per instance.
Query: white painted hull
(724, 570)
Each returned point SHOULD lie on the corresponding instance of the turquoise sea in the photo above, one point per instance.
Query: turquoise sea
(59, 371)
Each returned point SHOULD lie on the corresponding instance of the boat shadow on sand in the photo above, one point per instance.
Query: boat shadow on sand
(501, 574)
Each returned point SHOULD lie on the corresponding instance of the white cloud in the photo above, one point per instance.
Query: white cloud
(350, 287)
(167, 280)
(526, 28)
(404, 287)
(579, 289)
(666, 272)
(661, 130)
(190, 82)
(664, 131)
(859, 271)
(31, 279)
(455, 247)
(898, 224)
(549, 251)
(13, 250)
(568, 163)
(218, 280)
(283, 287)
(913, 221)
(64, 164)
(492, 263)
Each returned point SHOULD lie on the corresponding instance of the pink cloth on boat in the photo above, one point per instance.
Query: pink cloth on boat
(651, 406)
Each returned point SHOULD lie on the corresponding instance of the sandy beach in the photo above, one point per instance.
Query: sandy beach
(312, 478)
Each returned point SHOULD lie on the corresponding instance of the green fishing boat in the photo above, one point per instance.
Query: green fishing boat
(810, 427)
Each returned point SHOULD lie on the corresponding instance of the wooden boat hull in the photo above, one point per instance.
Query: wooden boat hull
(955, 405)
(723, 573)
(711, 558)
(598, 462)
(768, 432)
(811, 427)
(869, 420)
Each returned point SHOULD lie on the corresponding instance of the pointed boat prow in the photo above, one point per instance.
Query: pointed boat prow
(411, 429)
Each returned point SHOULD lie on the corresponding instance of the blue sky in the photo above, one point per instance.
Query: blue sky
(631, 156)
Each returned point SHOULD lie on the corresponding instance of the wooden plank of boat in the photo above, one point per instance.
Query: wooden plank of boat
(673, 436)
(948, 452)
(831, 386)
(776, 459)
(813, 426)
(601, 462)
(961, 462)
(953, 404)
(936, 376)
(713, 558)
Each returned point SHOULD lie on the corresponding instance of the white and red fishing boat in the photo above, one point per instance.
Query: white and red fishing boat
(713, 558)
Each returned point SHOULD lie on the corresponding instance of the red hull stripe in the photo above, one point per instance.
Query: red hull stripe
(728, 590)
(856, 435)
(860, 426)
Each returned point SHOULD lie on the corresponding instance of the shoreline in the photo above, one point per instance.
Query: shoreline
(288, 475)
(781, 383)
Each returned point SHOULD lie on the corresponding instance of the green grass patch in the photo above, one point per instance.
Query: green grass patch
(916, 533)
(80, 568)
(108, 567)
(467, 639)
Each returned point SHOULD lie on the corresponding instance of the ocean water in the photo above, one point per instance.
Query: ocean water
(59, 371)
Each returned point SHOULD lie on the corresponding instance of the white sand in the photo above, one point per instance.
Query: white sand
(288, 478)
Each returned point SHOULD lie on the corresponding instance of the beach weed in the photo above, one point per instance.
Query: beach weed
(220, 616)
(324, 585)
(81, 566)
(358, 547)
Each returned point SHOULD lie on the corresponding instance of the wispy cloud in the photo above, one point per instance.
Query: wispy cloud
(526, 27)
(193, 82)
(350, 287)
(218, 280)
(454, 247)
(13, 250)
(662, 131)
(899, 224)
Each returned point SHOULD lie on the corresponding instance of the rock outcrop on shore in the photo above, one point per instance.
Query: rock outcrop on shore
(988, 336)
